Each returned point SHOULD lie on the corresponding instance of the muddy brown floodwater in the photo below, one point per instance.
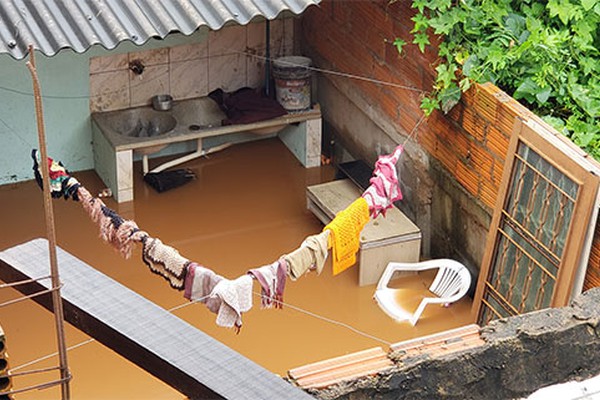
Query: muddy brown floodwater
(247, 208)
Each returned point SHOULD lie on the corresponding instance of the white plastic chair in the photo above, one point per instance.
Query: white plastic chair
(450, 284)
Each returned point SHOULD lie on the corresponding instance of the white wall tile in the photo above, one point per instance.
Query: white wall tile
(154, 80)
(227, 72)
(187, 71)
(255, 72)
(188, 52)
(229, 40)
(288, 36)
(277, 42)
(256, 40)
(151, 57)
(109, 91)
(189, 79)
(108, 63)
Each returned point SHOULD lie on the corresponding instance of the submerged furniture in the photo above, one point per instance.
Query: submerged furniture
(450, 284)
(383, 239)
(117, 135)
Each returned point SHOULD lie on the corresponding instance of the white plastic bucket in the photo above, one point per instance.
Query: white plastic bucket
(292, 82)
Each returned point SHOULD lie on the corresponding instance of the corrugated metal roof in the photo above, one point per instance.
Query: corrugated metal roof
(51, 25)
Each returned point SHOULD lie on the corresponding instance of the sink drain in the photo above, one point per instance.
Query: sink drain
(194, 127)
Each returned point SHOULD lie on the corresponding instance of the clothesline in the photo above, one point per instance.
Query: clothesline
(229, 299)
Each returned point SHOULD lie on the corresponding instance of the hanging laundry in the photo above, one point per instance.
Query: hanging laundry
(165, 261)
(384, 189)
(311, 255)
(62, 184)
(272, 279)
(120, 233)
(235, 298)
(199, 284)
(344, 238)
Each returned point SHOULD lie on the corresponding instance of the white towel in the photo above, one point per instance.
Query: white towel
(235, 297)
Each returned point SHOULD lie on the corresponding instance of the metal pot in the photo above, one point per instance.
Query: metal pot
(162, 102)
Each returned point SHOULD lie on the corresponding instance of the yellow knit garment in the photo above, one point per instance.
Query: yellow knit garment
(344, 237)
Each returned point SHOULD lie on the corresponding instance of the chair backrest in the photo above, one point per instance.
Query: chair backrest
(452, 280)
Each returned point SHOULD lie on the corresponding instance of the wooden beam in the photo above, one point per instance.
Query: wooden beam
(169, 348)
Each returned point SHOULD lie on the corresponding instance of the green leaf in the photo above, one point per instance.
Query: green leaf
(440, 5)
(585, 29)
(421, 23)
(420, 5)
(526, 90)
(586, 99)
(443, 23)
(543, 95)
(589, 65)
(399, 43)
(557, 123)
(428, 105)
(446, 74)
(469, 65)
(588, 4)
(564, 9)
(464, 84)
(449, 97)
(422, 40)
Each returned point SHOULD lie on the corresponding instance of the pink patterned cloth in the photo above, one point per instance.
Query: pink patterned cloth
(384, 189)
(199, 284)
(272, 279)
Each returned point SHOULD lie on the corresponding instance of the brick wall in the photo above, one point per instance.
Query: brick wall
(519, 355)
(470, 142)
(468, 145)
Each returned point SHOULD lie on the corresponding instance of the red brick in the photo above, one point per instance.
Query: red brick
(488, 195)
(497, 142)
(474, 124)
(482, 160)
(467, 177)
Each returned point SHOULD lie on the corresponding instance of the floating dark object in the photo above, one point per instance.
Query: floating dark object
(167, 180)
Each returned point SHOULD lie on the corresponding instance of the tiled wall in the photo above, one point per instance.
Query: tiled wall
(229, 58)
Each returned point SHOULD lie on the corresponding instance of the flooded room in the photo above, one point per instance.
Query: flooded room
(266, 199)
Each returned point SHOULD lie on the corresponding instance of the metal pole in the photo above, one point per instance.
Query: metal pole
(50, 232)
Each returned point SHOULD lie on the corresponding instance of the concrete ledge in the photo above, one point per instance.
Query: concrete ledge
(518, 356)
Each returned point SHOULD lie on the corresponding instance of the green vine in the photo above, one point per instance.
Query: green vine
(543, 53)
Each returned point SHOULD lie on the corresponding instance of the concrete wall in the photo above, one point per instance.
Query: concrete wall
(67, 87)
(520, 355)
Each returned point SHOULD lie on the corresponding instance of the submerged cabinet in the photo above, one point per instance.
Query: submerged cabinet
(384, 239)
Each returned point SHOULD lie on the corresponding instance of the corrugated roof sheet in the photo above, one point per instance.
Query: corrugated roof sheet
(51, 25)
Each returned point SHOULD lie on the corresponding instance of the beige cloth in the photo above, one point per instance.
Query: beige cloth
(235, 298)
(311, 254)
(165, 261)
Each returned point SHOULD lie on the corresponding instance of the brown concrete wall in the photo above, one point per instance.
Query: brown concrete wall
(520, 355)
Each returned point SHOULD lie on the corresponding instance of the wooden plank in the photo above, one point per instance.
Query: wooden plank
(164, 345)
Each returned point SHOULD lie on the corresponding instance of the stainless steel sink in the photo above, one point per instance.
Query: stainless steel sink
(141, 122)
